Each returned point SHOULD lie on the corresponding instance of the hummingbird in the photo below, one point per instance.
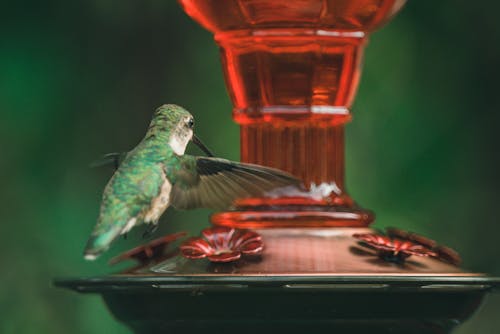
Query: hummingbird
(157, 174)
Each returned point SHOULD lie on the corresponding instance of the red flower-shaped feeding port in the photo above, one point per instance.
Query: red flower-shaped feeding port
(152, 250)
(223, 244)
(397, 245)
(441, 252)
(393, 250)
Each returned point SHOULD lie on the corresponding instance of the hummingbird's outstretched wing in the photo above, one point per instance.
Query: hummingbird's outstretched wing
(215, 183)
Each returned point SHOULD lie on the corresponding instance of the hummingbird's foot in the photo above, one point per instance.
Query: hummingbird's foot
(150, 230)
(125, 235)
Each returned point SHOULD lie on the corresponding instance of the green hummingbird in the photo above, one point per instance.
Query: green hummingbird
(157, 174)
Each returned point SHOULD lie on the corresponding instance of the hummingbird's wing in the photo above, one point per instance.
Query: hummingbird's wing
(215, 183)
(114, 159)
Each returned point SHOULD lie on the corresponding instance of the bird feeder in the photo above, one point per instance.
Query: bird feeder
(303, 261)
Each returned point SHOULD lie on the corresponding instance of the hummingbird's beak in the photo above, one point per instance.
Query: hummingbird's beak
(202, 146)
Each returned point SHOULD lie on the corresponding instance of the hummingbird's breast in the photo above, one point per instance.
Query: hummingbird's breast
(160, 203)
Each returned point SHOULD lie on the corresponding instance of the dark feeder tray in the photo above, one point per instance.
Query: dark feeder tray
(328, 286)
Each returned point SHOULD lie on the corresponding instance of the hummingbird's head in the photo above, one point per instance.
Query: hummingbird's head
(175, 124)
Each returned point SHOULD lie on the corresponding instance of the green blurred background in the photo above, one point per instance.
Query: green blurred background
(81, 78)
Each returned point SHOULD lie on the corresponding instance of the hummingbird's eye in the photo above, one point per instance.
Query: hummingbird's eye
(190, 123)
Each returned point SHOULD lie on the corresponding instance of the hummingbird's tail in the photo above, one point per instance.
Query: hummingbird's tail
(100, 240)
(93, 250)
